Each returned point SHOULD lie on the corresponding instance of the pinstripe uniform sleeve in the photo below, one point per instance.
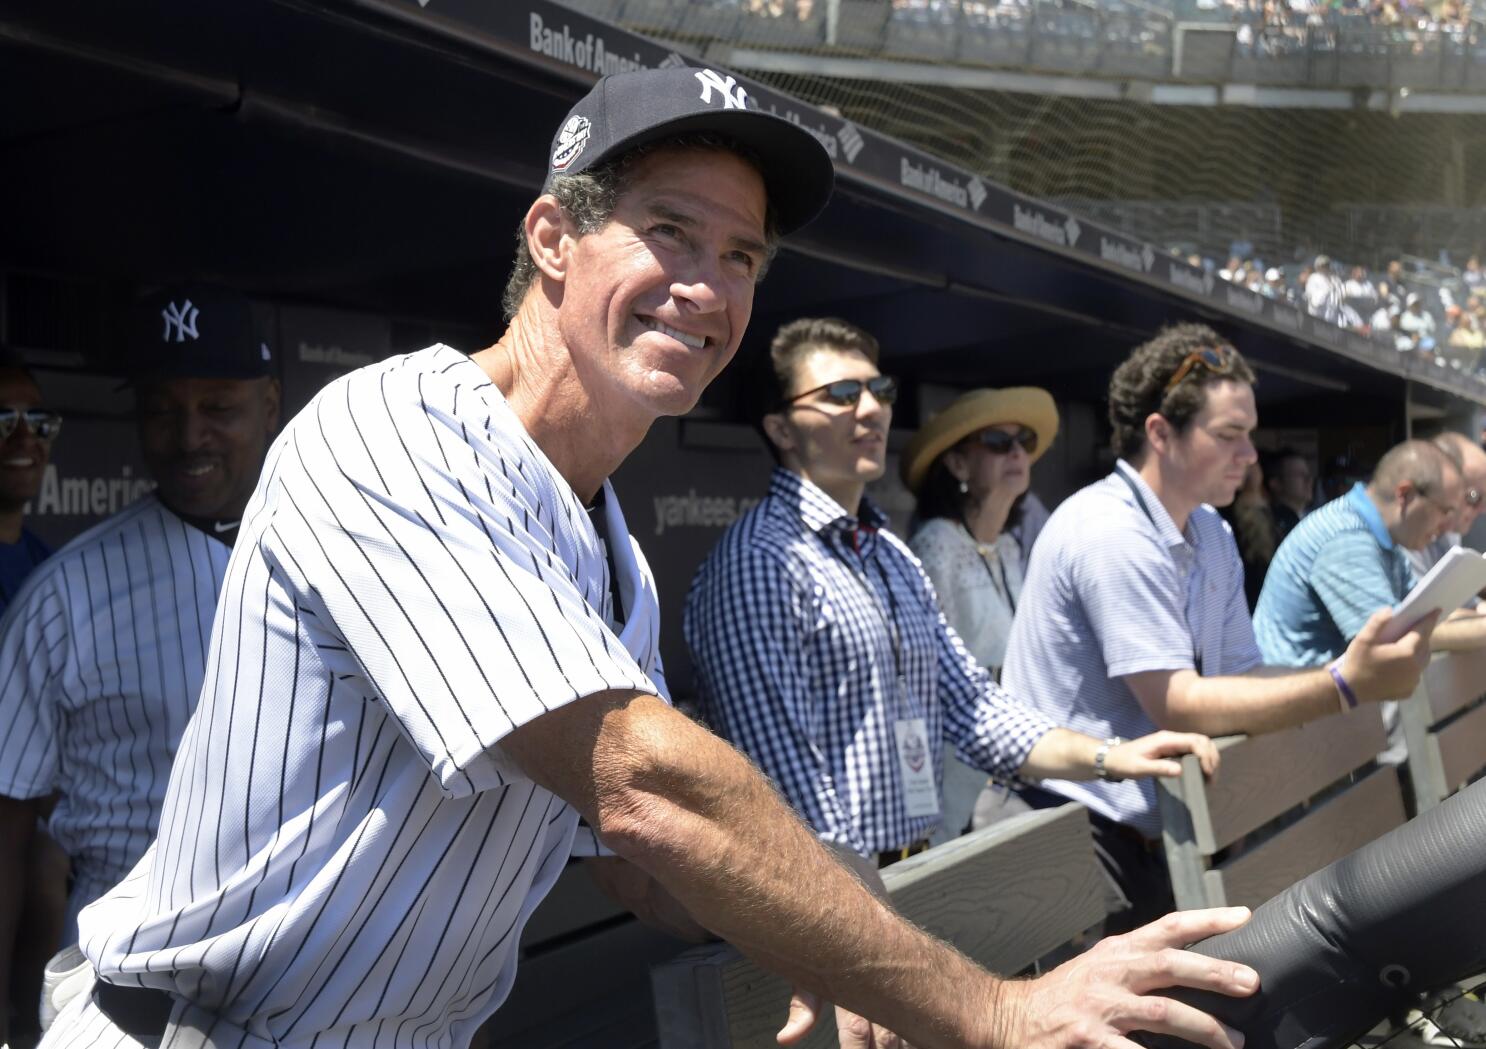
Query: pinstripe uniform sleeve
(448, 556)
(989, 729)
(586, 841)
(33, 636)
(747, 621)
(1134, 598)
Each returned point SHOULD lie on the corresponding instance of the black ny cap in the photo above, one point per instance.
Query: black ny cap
(196, 331)
(625, 110)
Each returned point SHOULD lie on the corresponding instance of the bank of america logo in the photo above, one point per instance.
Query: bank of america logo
(180, 321)
(851, 142)
(977, 193)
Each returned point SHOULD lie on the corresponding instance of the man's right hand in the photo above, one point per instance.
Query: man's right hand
(1095, 1000)
(1377, 670)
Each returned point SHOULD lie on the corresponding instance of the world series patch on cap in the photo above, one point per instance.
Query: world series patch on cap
(197, 331)
(626, 110)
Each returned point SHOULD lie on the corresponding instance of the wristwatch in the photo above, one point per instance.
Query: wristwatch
(1101, 754)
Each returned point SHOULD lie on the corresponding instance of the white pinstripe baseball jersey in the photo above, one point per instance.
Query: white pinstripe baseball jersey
(345, 857)
(101, 658)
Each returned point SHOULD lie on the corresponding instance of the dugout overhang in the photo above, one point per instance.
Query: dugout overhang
(377, 154)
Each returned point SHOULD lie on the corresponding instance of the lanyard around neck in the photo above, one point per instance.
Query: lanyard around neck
(887, 614)
(1140, 499)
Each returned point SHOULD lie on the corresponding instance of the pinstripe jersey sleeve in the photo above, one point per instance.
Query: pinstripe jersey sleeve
(747, 622)
(33, 635)
(447, 554)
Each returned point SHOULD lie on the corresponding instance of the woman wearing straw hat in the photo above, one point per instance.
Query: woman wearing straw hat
(969, 468)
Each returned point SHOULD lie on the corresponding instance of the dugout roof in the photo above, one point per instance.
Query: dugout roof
(377, 155)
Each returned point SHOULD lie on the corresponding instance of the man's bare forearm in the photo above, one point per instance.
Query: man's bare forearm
(1264, 700)
(686, 807)
(1460, 633)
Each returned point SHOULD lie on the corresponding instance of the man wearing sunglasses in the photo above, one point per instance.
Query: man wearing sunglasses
(26, 433)
(820, 649)
(104, 651)
(1471, 459)
(1133, 616)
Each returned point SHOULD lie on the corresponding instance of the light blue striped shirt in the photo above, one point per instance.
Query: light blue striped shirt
(1331, 573)
(1114, 589)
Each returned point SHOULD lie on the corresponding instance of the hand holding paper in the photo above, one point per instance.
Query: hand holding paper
(1457, 576)
(1378, 668)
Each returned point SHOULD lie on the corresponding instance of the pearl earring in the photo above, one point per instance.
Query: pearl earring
(964, 488)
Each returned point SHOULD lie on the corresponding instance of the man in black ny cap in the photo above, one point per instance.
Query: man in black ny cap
(104, 657)
(438, 652)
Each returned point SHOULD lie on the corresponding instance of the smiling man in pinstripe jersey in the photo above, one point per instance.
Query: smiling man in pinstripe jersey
(104, 648)
(436, 649)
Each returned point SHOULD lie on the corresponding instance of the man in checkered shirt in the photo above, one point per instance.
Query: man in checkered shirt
(819, 646)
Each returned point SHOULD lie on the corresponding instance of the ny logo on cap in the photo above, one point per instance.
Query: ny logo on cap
(733, 95)
(181, 320)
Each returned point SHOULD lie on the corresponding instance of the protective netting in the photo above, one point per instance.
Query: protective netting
(1360, 185)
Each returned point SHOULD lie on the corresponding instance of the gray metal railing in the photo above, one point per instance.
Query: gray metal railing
(1109, 38)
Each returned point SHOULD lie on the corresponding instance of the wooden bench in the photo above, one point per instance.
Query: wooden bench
(1006, 896)
(1445, 726)
(1284, 805)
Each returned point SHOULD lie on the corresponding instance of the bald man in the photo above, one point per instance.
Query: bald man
(1470, 459)
(1350, 557)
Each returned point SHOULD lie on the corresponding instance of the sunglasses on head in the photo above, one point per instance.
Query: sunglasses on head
(1218, 360)
(39, 421)
(848, 392)
(999, 442)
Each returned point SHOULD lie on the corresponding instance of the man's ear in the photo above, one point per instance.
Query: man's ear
(778, 431)
(1158, 432)
(546, 238)
(273, 399)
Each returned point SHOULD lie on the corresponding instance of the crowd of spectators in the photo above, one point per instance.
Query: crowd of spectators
(1266, 27)
(1438, 313)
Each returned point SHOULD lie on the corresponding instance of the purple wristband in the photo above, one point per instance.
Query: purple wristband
(1349, 698)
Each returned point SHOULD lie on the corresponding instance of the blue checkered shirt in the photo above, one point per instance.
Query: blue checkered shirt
(812, 632)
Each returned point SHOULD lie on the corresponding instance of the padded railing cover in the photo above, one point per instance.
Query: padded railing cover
(1352, 944)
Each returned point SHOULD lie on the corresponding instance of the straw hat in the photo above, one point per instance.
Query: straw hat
(1031, 406)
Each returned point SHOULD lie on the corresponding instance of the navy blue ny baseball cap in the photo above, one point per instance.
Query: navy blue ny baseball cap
(625, 110)
(196, 331)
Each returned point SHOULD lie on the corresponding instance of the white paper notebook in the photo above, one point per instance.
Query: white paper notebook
(1456, 577)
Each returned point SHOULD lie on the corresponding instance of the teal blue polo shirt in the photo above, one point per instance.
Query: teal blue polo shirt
(1335, 569)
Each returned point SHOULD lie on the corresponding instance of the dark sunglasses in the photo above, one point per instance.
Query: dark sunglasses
(848, 392)
(1218, 361)
(42, 423)
(999, 442)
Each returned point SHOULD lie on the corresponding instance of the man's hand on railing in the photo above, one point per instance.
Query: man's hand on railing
(1097, 999)
(1159, 754)
(1376, 670)
(852, 1031)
